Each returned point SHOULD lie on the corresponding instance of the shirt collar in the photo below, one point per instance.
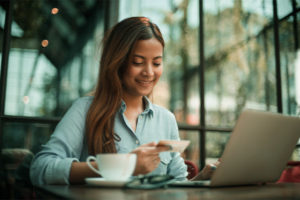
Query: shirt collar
(148, 107)
(123, 106)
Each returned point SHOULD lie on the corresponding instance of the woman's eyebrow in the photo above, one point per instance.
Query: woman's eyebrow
(157, 57)
(139, 56)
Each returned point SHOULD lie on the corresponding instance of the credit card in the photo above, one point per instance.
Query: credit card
(174, 145)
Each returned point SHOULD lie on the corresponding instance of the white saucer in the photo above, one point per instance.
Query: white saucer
(105, 183)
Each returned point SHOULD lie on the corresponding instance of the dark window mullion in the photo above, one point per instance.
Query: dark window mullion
(3, 80)
(5, 54)
(295, 25)
(201, 128)
(202, 150)
(27, 119)
(277, 58)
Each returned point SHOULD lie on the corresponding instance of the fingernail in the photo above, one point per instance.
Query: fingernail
(213, 167)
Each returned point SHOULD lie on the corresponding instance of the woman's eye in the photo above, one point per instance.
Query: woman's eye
(137, 63)
(156, 64)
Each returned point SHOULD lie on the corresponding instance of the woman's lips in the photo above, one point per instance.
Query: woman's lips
(145, 82)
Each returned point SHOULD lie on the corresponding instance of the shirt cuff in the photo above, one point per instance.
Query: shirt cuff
(59, 171)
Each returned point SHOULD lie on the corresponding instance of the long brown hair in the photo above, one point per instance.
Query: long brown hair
(117, 46)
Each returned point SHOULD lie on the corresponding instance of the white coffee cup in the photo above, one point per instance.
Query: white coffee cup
(113, 166)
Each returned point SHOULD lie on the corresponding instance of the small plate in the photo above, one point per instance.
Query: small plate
(105, 183)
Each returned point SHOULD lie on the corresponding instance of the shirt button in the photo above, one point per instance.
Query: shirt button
(137, 142)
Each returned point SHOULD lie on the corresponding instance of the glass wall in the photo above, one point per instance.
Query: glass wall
(239, 61)
(288, 65)
(53, 59)
(215, 144)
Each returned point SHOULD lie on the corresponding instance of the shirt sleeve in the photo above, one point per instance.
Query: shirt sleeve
(53, 163)
(176, 167)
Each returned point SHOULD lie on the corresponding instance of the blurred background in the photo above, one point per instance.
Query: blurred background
(221, 57)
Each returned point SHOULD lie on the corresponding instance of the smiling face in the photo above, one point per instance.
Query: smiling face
(145, 66)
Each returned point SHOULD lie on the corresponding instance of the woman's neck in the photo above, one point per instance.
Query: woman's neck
(134, 103)
(134, 107)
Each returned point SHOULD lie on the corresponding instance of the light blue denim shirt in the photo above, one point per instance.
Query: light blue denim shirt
(68, 142)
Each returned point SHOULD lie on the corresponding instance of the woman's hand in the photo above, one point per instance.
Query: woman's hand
(206, 172)
(147, 158)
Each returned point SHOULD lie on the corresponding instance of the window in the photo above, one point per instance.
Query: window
(240, 63)
(52, 59)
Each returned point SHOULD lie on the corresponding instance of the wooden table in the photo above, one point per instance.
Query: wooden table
(270, 191)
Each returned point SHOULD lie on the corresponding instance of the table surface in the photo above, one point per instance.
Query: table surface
(269, 191)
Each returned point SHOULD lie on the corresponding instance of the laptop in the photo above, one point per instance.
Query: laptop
(257, 152)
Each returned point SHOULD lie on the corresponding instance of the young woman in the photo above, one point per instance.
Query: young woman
(118, 118)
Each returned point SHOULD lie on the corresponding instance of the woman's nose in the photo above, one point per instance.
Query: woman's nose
(148, 70)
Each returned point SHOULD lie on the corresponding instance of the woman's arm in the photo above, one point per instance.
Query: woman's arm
(80, 170)
(53, 163)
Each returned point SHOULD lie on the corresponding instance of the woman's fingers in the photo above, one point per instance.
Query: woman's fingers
(217, 162)
(152, 148)
(147, 150)
(151, 144)
(213, 167)
(206, 172)
(163, 148)
(147, 158)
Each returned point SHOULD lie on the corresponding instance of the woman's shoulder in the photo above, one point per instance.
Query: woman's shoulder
(79, 108)
(85, 99)
(83, 102)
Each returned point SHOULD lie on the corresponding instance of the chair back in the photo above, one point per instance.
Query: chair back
(291, 174)
(191, 168)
